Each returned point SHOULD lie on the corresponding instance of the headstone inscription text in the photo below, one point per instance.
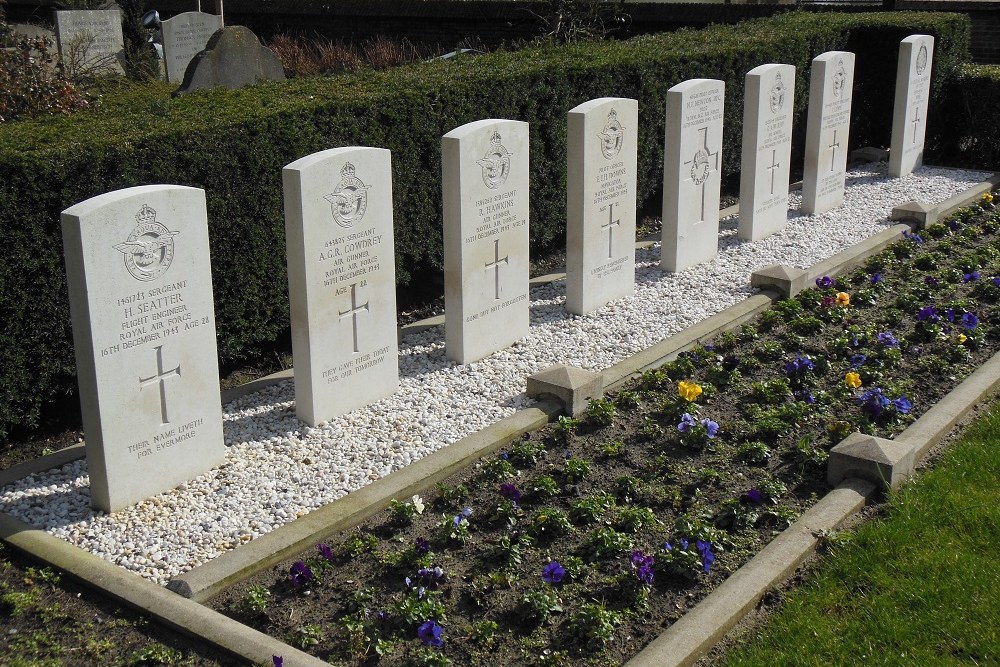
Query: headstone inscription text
(140, 288)
(692, 166)
(831, 86)
(341, 280)
(184, 36)
(909, 114)
(90, 39)
(601, 202)
(768, 107)
(485, 187)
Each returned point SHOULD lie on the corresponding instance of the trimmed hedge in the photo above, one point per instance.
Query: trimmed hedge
(974, 97)
(234, 144)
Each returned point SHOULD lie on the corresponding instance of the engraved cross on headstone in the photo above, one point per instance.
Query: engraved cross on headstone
(707, 154)
(774, 166)
(611, 224)
(495, 265)
(160, 378)
(352, 312)
(915, 121)
(833, 153)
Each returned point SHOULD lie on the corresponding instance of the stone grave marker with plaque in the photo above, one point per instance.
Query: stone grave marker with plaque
(184, 36)
(828, 128)
(768, 107)
(341, 280)
(600, 202)
(90, 39)
(909, 113)
(140, 290)
(692, 173)
(485, 177)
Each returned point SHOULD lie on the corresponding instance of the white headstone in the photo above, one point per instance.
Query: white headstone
(768, 107)
(90, 39)
(485, 175)
(341, 280)
(140, 290)
(909, 114)
(184, 36)
(692, 164)
(600, 202)
(831, 86)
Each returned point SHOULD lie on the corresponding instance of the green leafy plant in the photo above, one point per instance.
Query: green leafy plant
(543, 487)
(576, 470)
(538, 604)
(594, 624)
(601, 411)
(607, 542)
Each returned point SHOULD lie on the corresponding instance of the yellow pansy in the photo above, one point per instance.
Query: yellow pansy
(962, 338)
(843, 299)
(853, 380)
(689, 391)
(988, 197)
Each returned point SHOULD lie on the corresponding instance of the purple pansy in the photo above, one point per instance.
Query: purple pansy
(430, 634)
(711, 427)
(643, 566)
(300, 573)
(970, 321)
(928, 314)
(325, 551)
(421, 546)
(888, 339)
(510, 492)
(755, 496)
(824, 282)
(553, 573)
(687, 421)
(971, 276)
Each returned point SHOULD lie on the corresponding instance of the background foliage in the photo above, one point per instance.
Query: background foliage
(234, 144)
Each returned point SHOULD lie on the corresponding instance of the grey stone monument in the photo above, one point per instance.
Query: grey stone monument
(600, 202)
(90, 39)
(828, 128)
(768, 106)
(909, 114)
(692, 165)
(341, 280)
(140, 290)
(184, 36)
(485, 178)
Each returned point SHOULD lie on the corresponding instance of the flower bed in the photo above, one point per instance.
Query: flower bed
(579, 542)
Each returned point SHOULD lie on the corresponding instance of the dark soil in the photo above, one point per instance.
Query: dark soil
(779, 390)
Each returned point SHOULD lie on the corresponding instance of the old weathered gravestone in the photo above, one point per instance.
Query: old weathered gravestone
(600, 202)
(140, 290)
(341, 280)
(184, 36)
(831, 87)
(909, 114)
(768, 107)
(233, 58)
(485, 176)
(90, 39)
(692, 166)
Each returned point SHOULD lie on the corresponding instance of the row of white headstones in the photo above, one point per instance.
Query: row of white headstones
(140, 281)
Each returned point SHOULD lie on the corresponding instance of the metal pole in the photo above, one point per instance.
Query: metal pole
(218, 10)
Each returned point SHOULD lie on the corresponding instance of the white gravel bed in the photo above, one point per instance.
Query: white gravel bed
(277, 468)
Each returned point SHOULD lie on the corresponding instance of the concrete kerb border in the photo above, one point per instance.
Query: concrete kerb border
(190, 617)
(695, 633)
(205, 581)
(174, 611)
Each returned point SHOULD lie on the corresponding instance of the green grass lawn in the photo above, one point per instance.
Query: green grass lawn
(920, 586)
